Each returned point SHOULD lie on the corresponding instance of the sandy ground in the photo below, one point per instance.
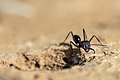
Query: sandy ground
(31, 33)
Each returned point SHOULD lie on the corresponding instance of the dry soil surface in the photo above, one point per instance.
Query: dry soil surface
(31, 38)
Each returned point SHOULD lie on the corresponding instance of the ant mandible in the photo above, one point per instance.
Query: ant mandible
(85, 44)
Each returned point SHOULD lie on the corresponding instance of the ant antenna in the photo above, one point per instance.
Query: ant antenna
(84, 35)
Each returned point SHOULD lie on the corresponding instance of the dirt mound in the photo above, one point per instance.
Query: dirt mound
(54, 57)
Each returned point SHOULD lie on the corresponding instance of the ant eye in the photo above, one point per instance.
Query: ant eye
(87, 46)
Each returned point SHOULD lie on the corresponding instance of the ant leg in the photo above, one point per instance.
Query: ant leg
(68, 35)
(98, 45)
(71, 45)
(84, 35)
(92, 50)
(91, 58)
(97, 40)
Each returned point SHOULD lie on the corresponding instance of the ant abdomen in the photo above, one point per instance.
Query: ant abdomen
(76, 39)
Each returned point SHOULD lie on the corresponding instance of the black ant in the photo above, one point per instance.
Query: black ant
(85, 44)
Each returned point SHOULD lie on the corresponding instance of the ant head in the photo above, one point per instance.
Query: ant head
(86, 46)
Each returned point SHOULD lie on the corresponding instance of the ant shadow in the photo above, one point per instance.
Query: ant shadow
(72, 56)
(70, 52)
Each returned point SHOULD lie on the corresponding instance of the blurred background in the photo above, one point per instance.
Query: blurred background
(49, 21)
